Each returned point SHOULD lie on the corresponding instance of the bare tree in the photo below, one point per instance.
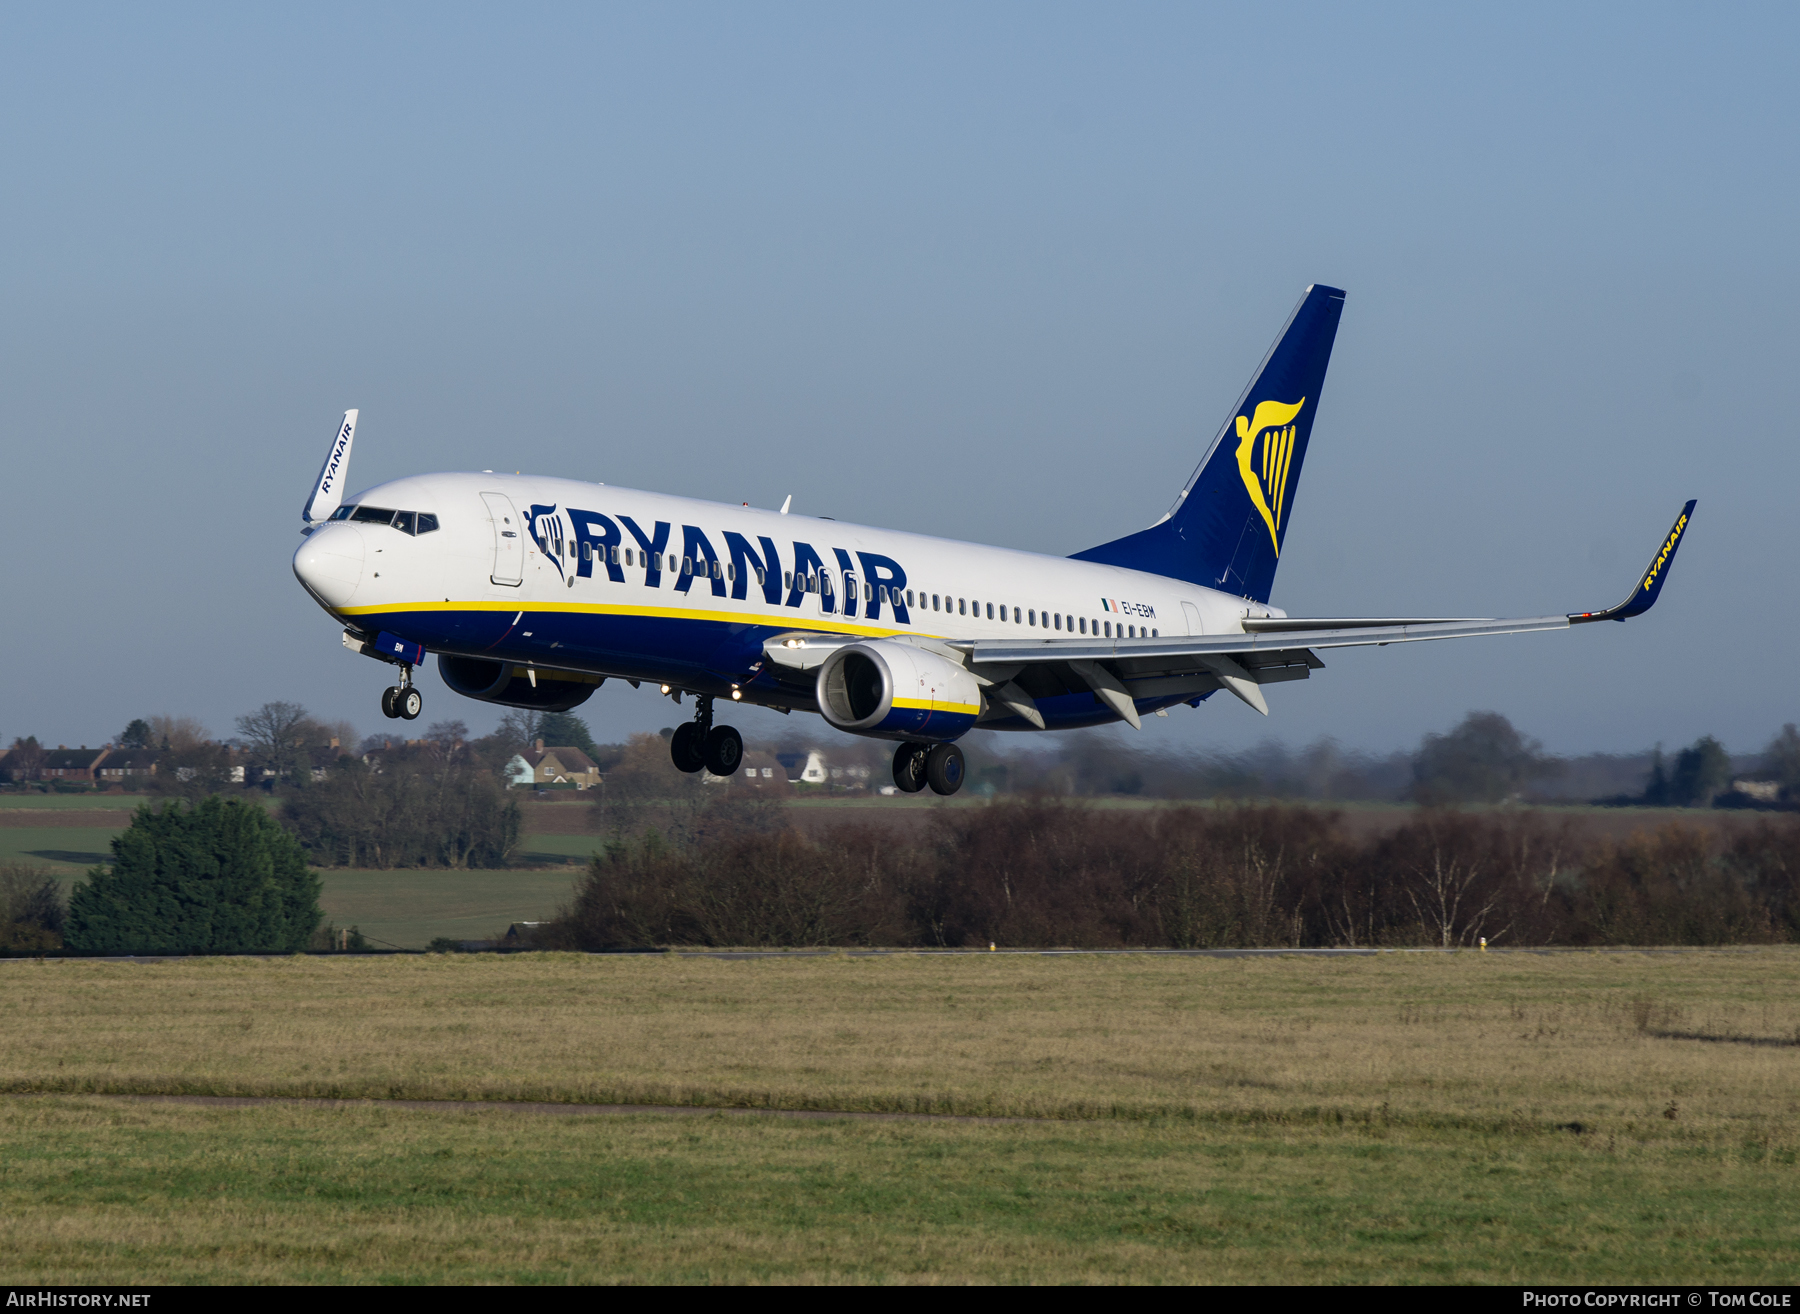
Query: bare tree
(519, 728)
(181, 733)
(26, 759)
(275, 735)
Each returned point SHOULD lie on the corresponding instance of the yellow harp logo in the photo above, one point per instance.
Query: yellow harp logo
(1265, 472)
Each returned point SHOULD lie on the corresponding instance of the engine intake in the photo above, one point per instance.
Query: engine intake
(511, 685)
(888, 690)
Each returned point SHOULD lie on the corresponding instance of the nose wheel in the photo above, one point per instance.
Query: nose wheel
(700, 743)
(402, 701)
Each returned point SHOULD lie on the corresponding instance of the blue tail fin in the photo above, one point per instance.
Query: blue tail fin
(1226, 529)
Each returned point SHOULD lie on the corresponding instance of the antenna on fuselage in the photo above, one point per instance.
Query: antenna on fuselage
(786, 503)
(329, 490)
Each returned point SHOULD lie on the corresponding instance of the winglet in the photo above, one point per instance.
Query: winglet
(1644, 596)
(329, 490)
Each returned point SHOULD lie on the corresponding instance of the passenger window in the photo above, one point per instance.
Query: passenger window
(1156, 634)
(962, 607)
(427, 523)
(991, 611)
(934, 603)
(787, 580)
(615, 554)
(1015, 615)
(909, 597)
(1109, 629)
(1059, 620)
(761, 577)
(1031, 617)
(1084, 625)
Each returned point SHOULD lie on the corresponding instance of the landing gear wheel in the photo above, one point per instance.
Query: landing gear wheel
(390, 698)
(909, 767)
(944, 768)
(686, 748)
(722, 750)
(409, 704)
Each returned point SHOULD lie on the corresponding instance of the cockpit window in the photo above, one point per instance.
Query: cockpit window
(408, 522)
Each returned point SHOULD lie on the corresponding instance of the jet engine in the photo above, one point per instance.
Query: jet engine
(889, 690)
(512, 685)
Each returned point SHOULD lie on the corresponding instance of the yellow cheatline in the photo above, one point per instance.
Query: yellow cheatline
(787, 620)
(928, 705)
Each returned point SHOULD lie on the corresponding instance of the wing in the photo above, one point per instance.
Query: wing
(1272, 650)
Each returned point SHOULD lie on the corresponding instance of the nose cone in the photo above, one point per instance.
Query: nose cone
(330, 564)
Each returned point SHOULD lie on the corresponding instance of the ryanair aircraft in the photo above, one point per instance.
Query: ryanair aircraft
(533, 592)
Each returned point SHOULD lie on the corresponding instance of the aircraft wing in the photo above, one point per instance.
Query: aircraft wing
(1277, 649)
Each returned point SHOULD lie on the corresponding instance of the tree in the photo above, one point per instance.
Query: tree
(1781, 759)
(1483, 760)
(1701, 771)
(181, 733)
(25, 761)
(31, 909)
(519, 729)
(275, 735)
(423, 808)
(220, 878)
(137, 735)
(565, 730)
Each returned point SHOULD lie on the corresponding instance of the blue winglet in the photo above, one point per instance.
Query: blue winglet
(1649, 588)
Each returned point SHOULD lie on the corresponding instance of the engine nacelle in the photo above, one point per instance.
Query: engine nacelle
(511, 685)
(890, 690)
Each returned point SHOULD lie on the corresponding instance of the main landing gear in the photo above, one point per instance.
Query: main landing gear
(939, 765)
(402, 701)
(700, 743)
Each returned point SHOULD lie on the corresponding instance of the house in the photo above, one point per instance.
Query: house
(125, 764)
(757, 769)
(72, 764)
(1763, 791)
(539, 766)
(817, 771)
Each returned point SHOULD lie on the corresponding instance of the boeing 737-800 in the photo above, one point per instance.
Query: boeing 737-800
(533, 592)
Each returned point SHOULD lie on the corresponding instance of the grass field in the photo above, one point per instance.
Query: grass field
(1506, 1118)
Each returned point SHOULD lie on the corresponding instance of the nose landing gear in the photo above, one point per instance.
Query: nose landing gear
(700, 743)
(402, 701)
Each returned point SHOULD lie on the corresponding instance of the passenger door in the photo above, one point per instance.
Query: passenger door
(509, 544)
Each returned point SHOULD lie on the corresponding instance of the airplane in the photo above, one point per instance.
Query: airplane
(533, 592)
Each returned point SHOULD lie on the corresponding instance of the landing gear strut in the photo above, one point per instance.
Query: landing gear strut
(700, 743)
(402, 700)
(939, 765)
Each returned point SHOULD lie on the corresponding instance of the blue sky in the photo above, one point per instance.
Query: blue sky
(995, 272)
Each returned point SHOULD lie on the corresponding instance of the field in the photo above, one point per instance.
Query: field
(1627, 1117)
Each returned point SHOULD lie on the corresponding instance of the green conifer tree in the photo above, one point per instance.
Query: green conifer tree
(220, 878)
